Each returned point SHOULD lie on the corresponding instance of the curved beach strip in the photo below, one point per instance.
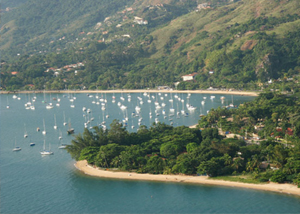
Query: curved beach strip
(242, 93)
(90, 170)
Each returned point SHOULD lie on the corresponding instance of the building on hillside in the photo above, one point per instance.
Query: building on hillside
(203, 6)
(289, 131)
(176, 84)
(14, 72)
(259, 127)
(163, 88)
(189, 77)
(140, 21)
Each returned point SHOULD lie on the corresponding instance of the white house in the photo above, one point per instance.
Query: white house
(189, 76)
(140, 21)
(203, 6)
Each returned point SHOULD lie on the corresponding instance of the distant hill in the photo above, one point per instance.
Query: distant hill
(145, 43)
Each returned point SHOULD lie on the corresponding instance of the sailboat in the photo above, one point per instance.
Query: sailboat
(60, 135)
(72, 105)
(31, 143)
(201, 114)
(70, 130)
(65, 123)
(17, 148)
(55, 126)
(49, 106)
(7, 105)
(32, 107)
(177, 112)
(62, 146)
(45, 152)
(150, 113)
(107, 115)
(44, 132)
(231, 104)
(25, 132)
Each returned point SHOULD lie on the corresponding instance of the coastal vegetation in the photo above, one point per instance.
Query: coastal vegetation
(164, 149)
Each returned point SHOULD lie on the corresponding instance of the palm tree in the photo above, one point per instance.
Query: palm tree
(237, 163)
(255, 161)
(249, 166)
(227, 159)
(77, 145)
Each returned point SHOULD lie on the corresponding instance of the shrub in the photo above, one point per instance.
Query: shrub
(278, 176)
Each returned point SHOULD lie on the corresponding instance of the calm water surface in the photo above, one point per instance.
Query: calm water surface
(31, 183)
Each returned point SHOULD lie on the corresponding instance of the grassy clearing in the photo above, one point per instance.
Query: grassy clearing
(238, 178)
(286, 27)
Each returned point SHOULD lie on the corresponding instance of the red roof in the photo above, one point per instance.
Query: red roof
(193, 74)
(289, 131)
(190, 75)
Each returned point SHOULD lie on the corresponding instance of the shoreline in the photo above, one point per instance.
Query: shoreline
(242, 93)
(273, 187)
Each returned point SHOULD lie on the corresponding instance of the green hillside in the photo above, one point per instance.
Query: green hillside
(38, 25)
(243, 44)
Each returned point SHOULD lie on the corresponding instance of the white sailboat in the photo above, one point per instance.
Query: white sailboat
(65, 123)
(72, 105)
(32, 107)
(231, 104)
(55, 126)
(62, 146)
(49, 106)
(60, 135)
(107, 115)
(171, 100)
(16, 148)
(44, 131)
(25, 132)
(7, 105)
(172, 110)
(46, 152)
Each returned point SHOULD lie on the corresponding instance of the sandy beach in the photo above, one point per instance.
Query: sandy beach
(90, 170)
(242, 93)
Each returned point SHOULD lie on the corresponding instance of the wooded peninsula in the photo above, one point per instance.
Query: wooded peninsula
(265, 146)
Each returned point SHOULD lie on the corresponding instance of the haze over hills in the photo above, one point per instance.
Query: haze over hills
(136, 44)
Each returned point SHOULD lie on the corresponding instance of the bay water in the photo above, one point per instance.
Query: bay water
(32, 183)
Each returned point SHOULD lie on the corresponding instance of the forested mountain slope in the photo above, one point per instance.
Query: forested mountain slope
(137, 44)
(30, 24)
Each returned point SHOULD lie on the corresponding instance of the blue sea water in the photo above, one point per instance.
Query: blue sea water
(31, 183)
